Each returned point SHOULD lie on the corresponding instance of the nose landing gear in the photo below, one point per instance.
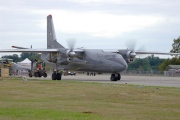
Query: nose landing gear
(115, 77)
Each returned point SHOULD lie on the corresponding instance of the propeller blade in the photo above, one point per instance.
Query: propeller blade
(71, 43)
(142, 48)
(131, 44)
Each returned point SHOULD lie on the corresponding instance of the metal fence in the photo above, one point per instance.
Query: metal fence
(170, 73)
(143, 72)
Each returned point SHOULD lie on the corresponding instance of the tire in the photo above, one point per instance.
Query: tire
(45, 75)
(119, 76)
(30, 74)
(58, 76)
(39, 74)
(36, 74)
(54, 77)
(113, 77)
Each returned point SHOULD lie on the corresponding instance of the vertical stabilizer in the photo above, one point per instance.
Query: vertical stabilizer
(51, 35)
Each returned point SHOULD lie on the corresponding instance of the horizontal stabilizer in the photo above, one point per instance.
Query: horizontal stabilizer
(30, 50)
(19, 47)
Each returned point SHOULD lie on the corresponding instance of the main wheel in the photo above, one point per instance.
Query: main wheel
(119, 76)
(39, 74)
(30, 74)
(58, 76)
(113, 77)
(54, 77)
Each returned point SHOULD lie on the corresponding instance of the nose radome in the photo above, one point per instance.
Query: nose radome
(120, 67)
(125, 65)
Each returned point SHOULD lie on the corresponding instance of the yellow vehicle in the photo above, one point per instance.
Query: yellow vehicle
(5, 67)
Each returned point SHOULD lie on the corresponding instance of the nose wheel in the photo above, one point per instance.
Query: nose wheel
(115, 77)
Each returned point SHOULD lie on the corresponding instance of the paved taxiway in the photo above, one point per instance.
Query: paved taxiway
(128, 79)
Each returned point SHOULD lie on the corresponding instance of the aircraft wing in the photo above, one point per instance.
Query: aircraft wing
(144, 52)
(160, 53)
(29, 50)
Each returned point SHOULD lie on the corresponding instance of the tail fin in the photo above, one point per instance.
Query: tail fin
(51, 36)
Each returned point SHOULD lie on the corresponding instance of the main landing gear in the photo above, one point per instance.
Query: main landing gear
(56, 75)
(115, 77)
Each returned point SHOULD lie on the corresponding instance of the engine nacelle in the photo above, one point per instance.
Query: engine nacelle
(69, 59)
(64, 61)
(63, 56)
(70, 53)
(51, 57)
(67, 53)
(128, 55)
(130, 60)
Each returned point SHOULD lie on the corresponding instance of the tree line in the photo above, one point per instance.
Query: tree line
(22, 56)
(176, 59)
(156, 63)
(147, 64)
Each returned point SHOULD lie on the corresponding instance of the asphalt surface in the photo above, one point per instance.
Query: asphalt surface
(127, 79)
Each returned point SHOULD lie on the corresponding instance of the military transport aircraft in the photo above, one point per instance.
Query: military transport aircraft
(87, 60)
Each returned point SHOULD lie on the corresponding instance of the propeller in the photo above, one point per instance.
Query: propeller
(71, 43)
(131, 45)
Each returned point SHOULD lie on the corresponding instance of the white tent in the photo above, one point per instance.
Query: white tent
(26, 62)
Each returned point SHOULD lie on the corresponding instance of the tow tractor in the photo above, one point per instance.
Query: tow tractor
(37, 69)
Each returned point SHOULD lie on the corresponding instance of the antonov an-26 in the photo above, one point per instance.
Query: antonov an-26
(86, 60)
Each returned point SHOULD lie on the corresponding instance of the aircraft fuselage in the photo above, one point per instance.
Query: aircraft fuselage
(97, 61)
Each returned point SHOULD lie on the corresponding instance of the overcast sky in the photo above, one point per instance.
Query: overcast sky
(104, 24)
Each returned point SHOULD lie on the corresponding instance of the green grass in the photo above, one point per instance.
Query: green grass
(70, 100)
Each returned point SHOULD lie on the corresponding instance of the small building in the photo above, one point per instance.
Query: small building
(175, 67)
(172, 70)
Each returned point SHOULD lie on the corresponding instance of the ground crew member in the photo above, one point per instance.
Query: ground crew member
(39, 66)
